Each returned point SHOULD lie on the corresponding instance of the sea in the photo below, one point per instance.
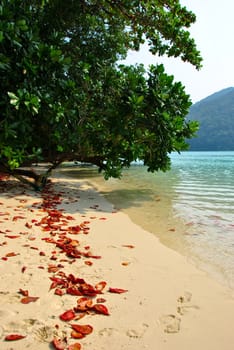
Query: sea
(189, 208)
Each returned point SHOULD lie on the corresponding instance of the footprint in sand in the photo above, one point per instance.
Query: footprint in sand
(184, 303)
(107, 332)
(186, 298)
(137, 332)
(7, 297)
(170, 323)
(186, 308)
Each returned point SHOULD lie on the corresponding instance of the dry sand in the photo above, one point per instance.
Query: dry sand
(169, 304)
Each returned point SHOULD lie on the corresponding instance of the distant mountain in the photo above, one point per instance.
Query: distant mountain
(215, 114)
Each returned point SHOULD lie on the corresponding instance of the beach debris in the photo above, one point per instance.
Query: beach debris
(131, 246)
(12, 236)
(59, 344)
(17, 217)
(100, 309)
(23, 292)
(67, 315)
(28, 300)
(80, 331)
(117, 290)
(12, 337)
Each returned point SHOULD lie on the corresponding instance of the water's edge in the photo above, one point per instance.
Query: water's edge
(190, 208)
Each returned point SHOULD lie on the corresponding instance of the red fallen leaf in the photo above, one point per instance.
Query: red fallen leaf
(4, 258)
(100, 300)
(128, 246)
(56, 282)
(68, 217)
(53, 268)
(8, 255)
(60, 266)
(59, 344)
(11, 337)
(89, 263)
(75, 346)
(117, 290)
(88, 289)
(53, 257)
(28, 225)
(83, 329)
(84, 304)
(89, 255)
(100, 309)
(102, 218)
(67, 315)
(49, 240)
(23, 269)
(73, 291)
(74, 229)
(28, 300)
(18, 217)
(11, 237)
(59, 291)
(32, 238)
(100, 286)
(77, 335)
(42, 254)
(23, 292)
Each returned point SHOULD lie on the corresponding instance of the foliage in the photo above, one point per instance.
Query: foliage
(64, 97)
(215, 114)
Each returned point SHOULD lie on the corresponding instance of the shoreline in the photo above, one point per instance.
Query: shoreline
(168, 302)
(169, 228)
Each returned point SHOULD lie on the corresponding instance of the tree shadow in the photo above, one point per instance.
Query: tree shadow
(121, 198)
(78, 192)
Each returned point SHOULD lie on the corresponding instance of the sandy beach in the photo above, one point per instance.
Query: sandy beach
(69, 258)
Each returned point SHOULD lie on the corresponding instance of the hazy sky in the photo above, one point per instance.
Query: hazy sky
(214, 36)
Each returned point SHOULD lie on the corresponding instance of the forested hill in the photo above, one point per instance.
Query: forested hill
(215, 114)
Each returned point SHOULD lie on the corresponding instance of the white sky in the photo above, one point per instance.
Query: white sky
(214, 36)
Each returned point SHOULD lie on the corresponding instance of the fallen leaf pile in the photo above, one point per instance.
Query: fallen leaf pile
(61, 231)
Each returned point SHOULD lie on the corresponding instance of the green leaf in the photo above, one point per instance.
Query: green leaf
(14, 100)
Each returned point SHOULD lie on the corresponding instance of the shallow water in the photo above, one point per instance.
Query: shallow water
(190, 208)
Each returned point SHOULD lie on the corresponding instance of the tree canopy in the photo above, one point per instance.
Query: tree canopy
(66, 96)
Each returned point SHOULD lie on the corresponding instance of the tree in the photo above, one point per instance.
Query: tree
(66, 97)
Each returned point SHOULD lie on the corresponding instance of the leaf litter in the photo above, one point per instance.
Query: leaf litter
(58, 226)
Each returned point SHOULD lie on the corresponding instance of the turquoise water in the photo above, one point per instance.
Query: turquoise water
(205, 198)
(190, 208)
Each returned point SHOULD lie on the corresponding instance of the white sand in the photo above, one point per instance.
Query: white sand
(169, 304)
